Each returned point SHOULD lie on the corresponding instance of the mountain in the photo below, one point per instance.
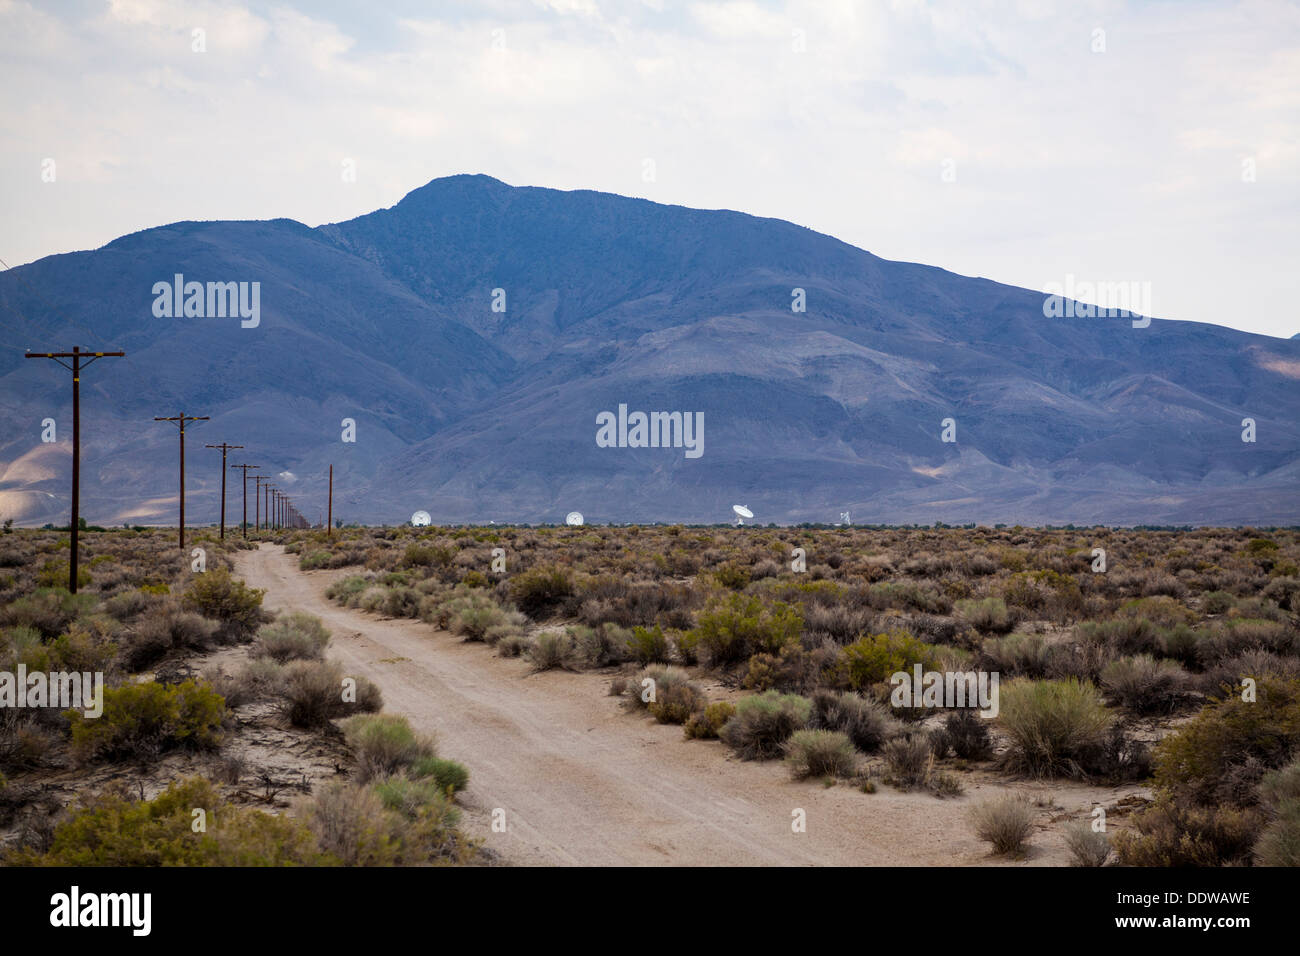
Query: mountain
(475, 331)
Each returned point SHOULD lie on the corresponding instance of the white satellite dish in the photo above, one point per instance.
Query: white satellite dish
(420, 519)
(741, 513)
(573, 518)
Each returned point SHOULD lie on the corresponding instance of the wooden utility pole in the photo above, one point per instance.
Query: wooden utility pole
(223, 446)
(80, 360)
(329, 520)
(180, 420)
(257, 501)
(243, 524)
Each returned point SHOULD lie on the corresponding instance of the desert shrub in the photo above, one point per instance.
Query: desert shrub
(553, 650)
(227, 600)
(350, 823)
(1217, 602)
(1233, 637)
(111, 829)
(447, 774)
(736, 628)
(648, 645)
(907, 594)
(292, 637)
(705, 724)
(1219, 756)
(142, 720)
(157, 633)
(787, 671)
(313, 693)
(1055, 727)
(1130, 635)
(1170, 834)
(733, 576)
(348, 591)
(873, 659)
(259, 679)
(762, 723)
(867, 723)
(472, 614)
(837, 622)
(49, 610)
(538, 591)
(909, 760)
(1285, 591)
(820, 753)
(1016, 655)
(602, 645)
(1279, 843)
(1087, 846)
(989, 615)
(1004, 822)
(966, 734)
(384, 743)
(676, 699)
(1144, 684)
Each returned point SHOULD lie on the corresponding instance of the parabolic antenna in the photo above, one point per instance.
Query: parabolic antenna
(573, 518)
(420, 519)
(741, 513)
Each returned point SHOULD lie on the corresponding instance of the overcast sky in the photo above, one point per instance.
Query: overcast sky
(1023, 141)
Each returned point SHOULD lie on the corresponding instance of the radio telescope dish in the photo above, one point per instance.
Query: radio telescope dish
(420, 519)
(741, 513)
(573, 518)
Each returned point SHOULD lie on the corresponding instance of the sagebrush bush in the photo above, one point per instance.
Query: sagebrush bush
(1088, 847)
(740, 625)
(966, 734)
(1055, 727)
(909, 759)
(447, 774)
(820, 753)
(763, 723)
(551, 650)
(292, 637)
(1144, 684)
(1169, 834)
(866, 722)
(676, 699)
(1004, 822)
(539, 591)
(989, 615)
(385, 743)
(314, 692)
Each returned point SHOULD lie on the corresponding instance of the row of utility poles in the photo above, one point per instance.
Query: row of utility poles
(272, 508)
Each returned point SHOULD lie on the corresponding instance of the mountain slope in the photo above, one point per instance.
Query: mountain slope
(476, 413)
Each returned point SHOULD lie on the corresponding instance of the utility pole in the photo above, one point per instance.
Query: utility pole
(329, 521)
(180, 420)
(243, 524)
(257, 501)
(223, 446)
(77, 356)
(266, 501)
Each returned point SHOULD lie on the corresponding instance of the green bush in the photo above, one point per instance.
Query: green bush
(113, 830)
(705, 724)
(872, 659)
(141, 720)
(1220, 755)
(1055, 727)
(676, 699)
(447, 774)
(648, 645)
(739, 626)
(227, 600)
(553, 649)
(989, 615)
(763, 723)
(1279, 843)
(820, 753)
(384, 743)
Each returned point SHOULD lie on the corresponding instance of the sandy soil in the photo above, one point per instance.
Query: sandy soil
(583, 782)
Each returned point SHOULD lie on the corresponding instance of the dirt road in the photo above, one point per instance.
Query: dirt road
(582, 781)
